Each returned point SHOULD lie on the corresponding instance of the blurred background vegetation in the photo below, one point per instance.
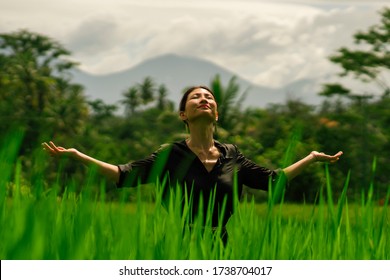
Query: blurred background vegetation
(39, 101)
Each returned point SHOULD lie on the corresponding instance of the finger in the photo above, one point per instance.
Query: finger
(47, 147)
(339, 154)
(336, 157)
(55, 148)
(327, 158)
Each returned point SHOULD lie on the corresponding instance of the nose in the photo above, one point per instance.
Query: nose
(204, 99)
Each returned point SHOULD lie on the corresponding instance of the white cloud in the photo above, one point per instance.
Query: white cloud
(312, 44)
(271, 44)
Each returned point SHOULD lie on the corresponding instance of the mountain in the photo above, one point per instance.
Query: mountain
(177, 73)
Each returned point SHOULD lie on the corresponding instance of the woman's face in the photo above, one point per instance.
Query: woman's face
(200, 105)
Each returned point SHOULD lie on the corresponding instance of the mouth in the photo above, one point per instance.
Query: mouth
(203, 107)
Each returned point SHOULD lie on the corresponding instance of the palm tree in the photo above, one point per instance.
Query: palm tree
(35, 62)
(228, 105)
(35, 70)
(147, 89)
(162, 101)
(101, 110)
(132, 100)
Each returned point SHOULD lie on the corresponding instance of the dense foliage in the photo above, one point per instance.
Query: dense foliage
(39, 100)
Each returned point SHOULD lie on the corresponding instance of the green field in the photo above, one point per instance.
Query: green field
(79, 227)
(39, 222)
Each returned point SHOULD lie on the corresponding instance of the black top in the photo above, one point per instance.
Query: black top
(180, 166)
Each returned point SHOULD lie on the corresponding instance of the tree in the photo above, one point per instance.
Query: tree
(131, 101)
(36, 82)
(362, 139)
(102, 110)
(371, 64)
(147, 90)
(228, 105)
(162, 101)
(34, 60)
(69, 114)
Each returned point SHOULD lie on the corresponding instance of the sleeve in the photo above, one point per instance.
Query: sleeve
(135, 173)
(144, 171)
(255, 176)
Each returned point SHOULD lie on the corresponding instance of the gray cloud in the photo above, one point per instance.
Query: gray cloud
(271, 44)
(94, 36)
(265, 51)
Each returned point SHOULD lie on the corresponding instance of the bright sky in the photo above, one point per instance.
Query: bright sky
(268, 44)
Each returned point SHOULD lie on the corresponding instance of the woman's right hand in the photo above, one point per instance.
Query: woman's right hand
(110, 171)
(56, 151)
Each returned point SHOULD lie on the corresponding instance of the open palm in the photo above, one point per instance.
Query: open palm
(326, 158)
(57, 151)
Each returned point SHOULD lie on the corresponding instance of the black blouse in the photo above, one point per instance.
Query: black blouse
(176, 164)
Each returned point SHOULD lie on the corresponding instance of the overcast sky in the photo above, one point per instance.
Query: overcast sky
(270, 43)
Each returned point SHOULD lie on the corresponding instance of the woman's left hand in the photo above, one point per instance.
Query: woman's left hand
(322, 157)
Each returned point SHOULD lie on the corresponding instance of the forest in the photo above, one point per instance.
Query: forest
(39, 102)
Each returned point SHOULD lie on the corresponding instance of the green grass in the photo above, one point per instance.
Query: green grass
(45, 225)
(78, 228)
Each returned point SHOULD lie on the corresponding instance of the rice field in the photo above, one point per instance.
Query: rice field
(45, 225)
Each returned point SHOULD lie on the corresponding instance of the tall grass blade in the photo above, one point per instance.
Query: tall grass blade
(342, 200)
(9, 150)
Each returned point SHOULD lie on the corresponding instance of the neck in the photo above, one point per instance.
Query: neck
(201, 136)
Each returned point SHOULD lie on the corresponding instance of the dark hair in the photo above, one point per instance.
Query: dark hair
(183, 100)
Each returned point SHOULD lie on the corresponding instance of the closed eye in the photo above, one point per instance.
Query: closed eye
(207, 96)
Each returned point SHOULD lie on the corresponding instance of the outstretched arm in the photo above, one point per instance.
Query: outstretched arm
(296, 168)
(110, 171)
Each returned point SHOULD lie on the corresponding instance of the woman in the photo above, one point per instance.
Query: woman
(203, 167)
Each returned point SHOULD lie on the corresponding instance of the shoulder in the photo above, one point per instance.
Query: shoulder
(164, 147)
(168, 147)
(230, 150)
